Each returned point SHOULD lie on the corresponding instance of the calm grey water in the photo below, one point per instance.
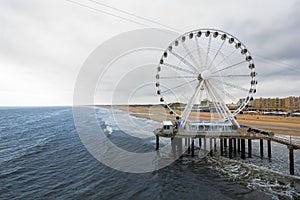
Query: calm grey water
(42, 157)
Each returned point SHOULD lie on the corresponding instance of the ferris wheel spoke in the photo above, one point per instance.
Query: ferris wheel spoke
(231, 85)
(199, 52)
(177, 77)
(228, 67)
(190, 54)
(223, 90)
(178, 68)
(232, 75)
(209, 67)
(186, 62)
(178, 86)
(226, 57)
(208, 49)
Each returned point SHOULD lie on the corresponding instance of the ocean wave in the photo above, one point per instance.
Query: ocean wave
(279, 185)
(122, 121)
(46, 159)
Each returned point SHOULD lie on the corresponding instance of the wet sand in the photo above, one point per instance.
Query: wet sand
(277, 124)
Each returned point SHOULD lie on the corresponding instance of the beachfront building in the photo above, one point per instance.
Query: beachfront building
(269, 103)
(292, 103)
(288, 103)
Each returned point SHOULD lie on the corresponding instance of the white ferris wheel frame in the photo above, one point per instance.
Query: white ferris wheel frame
(203, 73)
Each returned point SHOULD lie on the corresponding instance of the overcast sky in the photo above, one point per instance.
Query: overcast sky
(44, 43)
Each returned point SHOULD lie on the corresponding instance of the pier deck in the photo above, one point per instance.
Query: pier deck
(243, 133)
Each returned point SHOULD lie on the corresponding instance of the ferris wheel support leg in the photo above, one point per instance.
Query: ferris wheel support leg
(218, 106)
(235, 123)
(190, 104)
(221, 106)
(224, 108)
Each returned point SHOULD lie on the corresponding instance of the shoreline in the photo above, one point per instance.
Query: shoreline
(278, 124)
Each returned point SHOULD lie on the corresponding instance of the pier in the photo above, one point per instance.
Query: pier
(234, 142)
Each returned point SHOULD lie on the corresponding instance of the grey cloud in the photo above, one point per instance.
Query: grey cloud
(51, 39)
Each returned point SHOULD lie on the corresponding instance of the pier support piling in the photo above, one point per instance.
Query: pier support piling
(211, 147)
(291, 158)
(230, 148)
(215, 144)
(193, 147)
(157, 142)
(269, 149)
(243, 153)
(239, 145)
(234, 146)
(249, 148)
(261, 142)
(189, 146)
(179, 145)
(204, 141)
(173, 144)
(221, 146)
(200, 143)
(225, 143)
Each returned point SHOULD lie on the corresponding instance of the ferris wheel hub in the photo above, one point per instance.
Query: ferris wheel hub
(205, 75)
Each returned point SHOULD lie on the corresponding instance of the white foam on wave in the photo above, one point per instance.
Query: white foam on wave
(123, 121)
(108, 130)
(279, 185)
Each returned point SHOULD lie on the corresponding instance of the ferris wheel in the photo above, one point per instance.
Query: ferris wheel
(206, 71)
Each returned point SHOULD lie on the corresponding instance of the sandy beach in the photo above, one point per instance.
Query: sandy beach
(277, 124)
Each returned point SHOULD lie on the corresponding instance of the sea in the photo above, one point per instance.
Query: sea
(42, 157)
